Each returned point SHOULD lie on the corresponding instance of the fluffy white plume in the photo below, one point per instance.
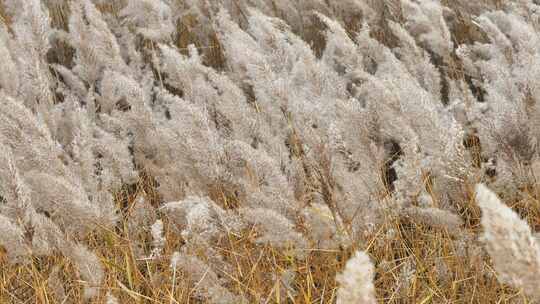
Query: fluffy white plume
(356, 281)
(510, 243)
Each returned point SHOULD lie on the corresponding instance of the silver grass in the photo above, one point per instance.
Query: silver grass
(290, 108)
(152, 18)
(435, 217)
(89, 268)
(208, 285)
(510, 243)
(12, 239)
(356, 281)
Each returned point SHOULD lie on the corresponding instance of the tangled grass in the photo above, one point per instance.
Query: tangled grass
(269, 151)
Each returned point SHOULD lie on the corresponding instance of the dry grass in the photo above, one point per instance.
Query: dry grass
(414, 263)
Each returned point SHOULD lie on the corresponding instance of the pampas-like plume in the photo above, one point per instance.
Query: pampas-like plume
(356, 281)
(158, 238)
(152, 18)
(12, 239)
(510, 243)
(208, 284)
(89, 267)
(435, 217)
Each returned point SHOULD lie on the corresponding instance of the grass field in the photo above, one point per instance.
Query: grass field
(231, 151)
